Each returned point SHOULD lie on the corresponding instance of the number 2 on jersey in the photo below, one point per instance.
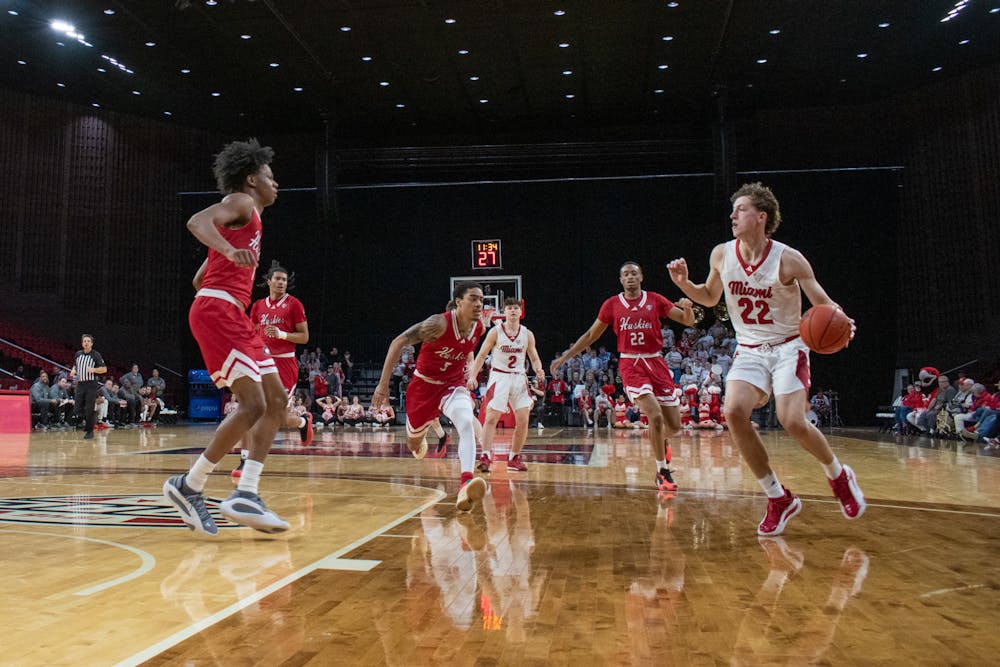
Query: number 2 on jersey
(637, 338)
(763, 310)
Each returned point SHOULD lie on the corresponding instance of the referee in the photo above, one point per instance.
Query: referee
(88, 365)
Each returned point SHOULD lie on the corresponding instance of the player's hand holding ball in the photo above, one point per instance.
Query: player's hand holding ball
(826, 329)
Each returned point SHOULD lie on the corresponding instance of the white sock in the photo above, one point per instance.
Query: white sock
(833, 468)
(251, 476)
(438, 429)
(660, 465)
(244, 454)
(462, 418)
(199, 473)
(771, 486)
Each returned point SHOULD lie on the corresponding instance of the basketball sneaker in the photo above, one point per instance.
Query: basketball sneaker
(470, 493)
(442, 447)
(516, 464)
(665, 480)
(484, 462)
(421, 451)
(845, 487)
(779, 513)
(306, 431)
(191, 505)
(247, 509)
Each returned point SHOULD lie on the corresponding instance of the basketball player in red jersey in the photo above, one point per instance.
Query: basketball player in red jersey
(634, 314)
(280, 321)
(763, 281)
(233, 352)
(439, 382)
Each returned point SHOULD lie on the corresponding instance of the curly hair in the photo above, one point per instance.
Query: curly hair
(763, 200)
(236, 161)
(276, 267)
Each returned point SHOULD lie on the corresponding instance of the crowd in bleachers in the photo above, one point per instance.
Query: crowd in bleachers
(937, 407)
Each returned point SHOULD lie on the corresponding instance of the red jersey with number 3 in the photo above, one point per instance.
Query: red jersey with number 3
(221, 274)
(636, 322)
(761, 309)
(285, 313)
(443, 360)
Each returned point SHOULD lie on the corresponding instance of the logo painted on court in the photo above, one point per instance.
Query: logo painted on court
(135, 511)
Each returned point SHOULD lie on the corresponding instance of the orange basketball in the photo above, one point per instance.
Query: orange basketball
(825, 329)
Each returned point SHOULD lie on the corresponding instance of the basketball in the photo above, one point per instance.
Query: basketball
(825, 329)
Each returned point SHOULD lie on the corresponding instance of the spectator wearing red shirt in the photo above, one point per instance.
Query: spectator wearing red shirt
(585, 407)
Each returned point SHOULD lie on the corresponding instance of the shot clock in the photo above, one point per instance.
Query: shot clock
(486, 255)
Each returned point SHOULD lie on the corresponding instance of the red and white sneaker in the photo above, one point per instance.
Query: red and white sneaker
(665, 481)
(845, 487)
(779, 513)
(470, 494)
(515, 464)
(306, 432)
(484, 462)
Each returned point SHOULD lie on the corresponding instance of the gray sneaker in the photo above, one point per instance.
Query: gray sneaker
(247, 509)
(191, 505)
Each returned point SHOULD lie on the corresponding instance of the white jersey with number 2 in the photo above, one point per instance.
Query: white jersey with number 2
(761, 309)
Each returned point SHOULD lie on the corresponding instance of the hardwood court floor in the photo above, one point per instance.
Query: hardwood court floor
(577, 561)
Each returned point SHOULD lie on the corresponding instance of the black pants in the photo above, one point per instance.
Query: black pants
(46, 408)
(85, 397)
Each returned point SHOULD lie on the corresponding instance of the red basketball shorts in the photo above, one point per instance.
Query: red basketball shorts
(228, 344)
(648, 375)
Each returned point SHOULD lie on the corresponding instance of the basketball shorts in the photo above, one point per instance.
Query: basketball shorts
(649, 375)
(228, 344)
(426, 401)
(508, 389)
(288, 371)
(778, 369)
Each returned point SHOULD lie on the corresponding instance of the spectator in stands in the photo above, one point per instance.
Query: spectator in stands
(115, 404)
(59, 393)
(603, 407)
(334, 381)
(912, 399)
(133, 403)
(585, 407)
(42, 401)
(347, 364)
(344, 381)
(157, 383)
(820, 404)
(354, 414)
(150, 406)
(675, 361)
(334, 357)
(980, 399)
(133, 376)
(608, 388)
(320, 387)
(577, 384)
(604, 356)
(926, 421)
(557, 391)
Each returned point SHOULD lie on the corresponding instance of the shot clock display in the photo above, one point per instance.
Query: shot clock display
(486, 254)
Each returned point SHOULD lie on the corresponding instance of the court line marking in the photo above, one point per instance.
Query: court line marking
(222, 614)
(148, 562)
(942, 591)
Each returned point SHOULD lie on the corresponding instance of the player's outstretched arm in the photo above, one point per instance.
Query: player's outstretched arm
(477, 364)
(429, 329)
(588, 337)
(235, 208)
(707, 293)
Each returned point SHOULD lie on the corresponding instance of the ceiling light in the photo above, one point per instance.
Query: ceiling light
(383, 83)
(567, 72)
(95, 105)
(185, 71)
(559, 12)
(667, 38)
(21, 62)
(366, 59)
(449, 21)
(244, 36)
(658, 91)
(963, 42)
(298, 89)
(563, 45)
(109, 12)
(761, 61)
(749, 85)
(216, 94)
(483, 101)
(168, 113)
(663, 67)
(463, 52)
(400, 105)
(60, 44)
(12, 12)
(673, 5)
(473, 78)
(345, 28)
(101, 69)
(937, 69)
(774, 31)
(884, 24)
(150, 43)
(61, 85)
(570, 96)
(274, 65)
(211, 3)
(136, 92)
(862, 55)
(995, 10)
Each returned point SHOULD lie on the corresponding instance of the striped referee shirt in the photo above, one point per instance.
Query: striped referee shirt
(85, 363)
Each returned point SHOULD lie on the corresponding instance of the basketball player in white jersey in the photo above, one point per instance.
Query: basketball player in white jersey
(510, 343)
(761, 279)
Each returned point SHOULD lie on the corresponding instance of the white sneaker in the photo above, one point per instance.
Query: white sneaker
(470, 493)
(247, 509)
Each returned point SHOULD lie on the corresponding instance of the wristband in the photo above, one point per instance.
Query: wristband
(282, 335)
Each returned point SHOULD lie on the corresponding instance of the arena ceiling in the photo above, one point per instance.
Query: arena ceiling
(446, 67)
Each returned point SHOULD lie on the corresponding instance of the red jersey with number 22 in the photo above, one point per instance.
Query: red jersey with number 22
(443, 360)
(636, 322)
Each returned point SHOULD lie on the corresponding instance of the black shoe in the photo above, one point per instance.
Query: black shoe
(665, 480)
(443, 443)
(89, 435)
